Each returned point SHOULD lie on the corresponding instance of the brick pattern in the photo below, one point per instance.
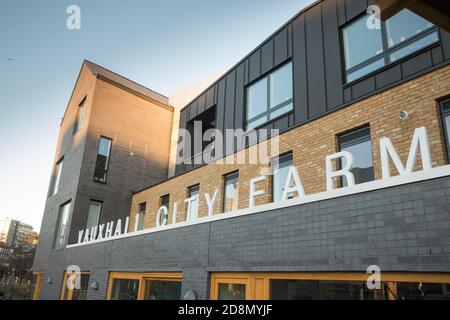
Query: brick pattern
(312, 142)
(400, 229)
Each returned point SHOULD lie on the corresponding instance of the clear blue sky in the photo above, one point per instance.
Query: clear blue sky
(163, 44)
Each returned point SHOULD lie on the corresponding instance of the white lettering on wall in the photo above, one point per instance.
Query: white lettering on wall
(210, 202)
(420, 139)
(253, 192)
(344, 172)
(293, 184)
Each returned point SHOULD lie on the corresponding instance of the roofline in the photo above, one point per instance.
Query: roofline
(316, 2)
(164, 104)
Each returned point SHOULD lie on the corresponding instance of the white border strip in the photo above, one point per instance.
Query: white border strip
(356, 189)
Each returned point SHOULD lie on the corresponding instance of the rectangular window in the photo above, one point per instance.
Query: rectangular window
(164, 201)
(230, 192)
(367, 50)
(62, 226)
(359, 144)
(125, 289)
(94, 214)
(56, 178)
(192, 209)
(280, 169)
(141, 212)
(270, 97)
(75, 293)
(102, 163)
(79, 117)
(162, 290)
(445, 110)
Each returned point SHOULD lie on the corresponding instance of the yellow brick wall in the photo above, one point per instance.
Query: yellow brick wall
(312, 142)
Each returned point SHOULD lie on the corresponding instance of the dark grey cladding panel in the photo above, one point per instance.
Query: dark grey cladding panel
(201, 103)
(229, 100)
(445, 38)
(289, 41)
(342, 17)
(267, 56)
(315, 62)
(354, 8)
(280, 47)
(254, 66)
(282, 123)
(332, 53)
(299, 67)
(193, 110)
(220, 112)
(363, 87)
(388, 76)
(239, 109)
(210, 98)
(437, 55)
(416, 64)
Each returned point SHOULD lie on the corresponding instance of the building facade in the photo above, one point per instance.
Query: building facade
(14, 232)
(358, 179)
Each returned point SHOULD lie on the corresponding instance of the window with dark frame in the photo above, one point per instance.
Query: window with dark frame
(94, 214)
(62, 226)
(270, 97)
(56, 178)
(358, 143)
(79, 116)
(164, 201)
(230, 192)
(445, 111)
(102, 163)
(193, 191)
(366, 50)
(280, 168)
(141, 212)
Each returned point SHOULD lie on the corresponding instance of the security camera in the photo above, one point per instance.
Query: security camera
(404, 115)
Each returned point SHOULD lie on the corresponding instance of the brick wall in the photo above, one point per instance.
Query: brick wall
(312, 142)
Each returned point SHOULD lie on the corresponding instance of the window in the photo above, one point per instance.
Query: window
(162, 290)
(56, 178)
(141, 212)
(445, 109)
(61, 230)
(79, 117)
(94, 213)
(280, 172)
(192, 212)
(367, 50)
(358, 143)
(270, 97)
(144, 286)
(164, 201)
(75, 294)
(230, 192)
(125, 289)
(102, 163)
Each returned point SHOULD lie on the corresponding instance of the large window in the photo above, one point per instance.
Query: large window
(102, 163)
(270, 97)
(445, 109)
(56, 178)
(359, 144)
(367, 50)
(192, 212)
(94, 213)
(144, 286)
(141, 212)
(230, 192)
(79, 117)
(62, 226)
(328, 286)
(280, 172)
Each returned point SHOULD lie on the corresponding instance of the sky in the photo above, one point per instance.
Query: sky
(164, 45)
